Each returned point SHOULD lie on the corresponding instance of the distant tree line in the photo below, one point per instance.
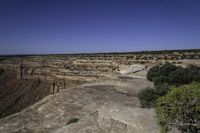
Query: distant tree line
(182, 51)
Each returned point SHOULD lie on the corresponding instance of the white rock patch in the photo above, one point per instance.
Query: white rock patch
(132, 69)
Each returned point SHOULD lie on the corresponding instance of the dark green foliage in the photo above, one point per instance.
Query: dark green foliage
(194, 73)
(179, 76)
(167, 68)
(147, 97)
(161, 90)
(177, 107)
(160, 71)
(173, 75)
(160, 80)
(180, 108)
(164, 76)
(153, 72)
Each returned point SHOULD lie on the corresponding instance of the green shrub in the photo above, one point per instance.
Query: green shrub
(161, 90)
(194, 73)
(173, 75)
(180, 108)
(165, 76)
(147, 97)
(153, 72)
(158, 81)
(162, 70)
(179, 77)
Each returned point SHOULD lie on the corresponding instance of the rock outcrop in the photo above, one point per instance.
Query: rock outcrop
(91, 93)
(17, 94)
(132, 69)
(109, 105)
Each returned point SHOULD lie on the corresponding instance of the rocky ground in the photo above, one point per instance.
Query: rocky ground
(107, 105)
(83, 93)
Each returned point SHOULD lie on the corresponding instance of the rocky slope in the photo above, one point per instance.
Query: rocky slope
(108, 105)
(90, 93)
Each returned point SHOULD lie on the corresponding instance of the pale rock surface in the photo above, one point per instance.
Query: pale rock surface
(108, 105)
(132, 68)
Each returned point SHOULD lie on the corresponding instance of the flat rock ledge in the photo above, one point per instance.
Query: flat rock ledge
(104, 106)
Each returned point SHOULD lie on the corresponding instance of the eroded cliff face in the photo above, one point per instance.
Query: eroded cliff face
(61, 72)
(107, 105)
(92, 93)
(17, 94)
(25, 81)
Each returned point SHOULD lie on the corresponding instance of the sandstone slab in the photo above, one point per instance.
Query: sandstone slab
(91, 108)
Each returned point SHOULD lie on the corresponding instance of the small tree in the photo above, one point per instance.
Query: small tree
(180, 108)
(153, 72)
(147, 97)
(162, 70)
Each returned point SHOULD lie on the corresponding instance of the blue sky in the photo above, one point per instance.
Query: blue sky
(73, 26)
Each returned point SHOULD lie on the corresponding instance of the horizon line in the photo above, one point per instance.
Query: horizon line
(111, 52)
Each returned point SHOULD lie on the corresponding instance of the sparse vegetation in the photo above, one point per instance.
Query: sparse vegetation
(180, 108)
(177, 106)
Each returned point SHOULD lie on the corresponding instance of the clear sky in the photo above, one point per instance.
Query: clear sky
(68, 26)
